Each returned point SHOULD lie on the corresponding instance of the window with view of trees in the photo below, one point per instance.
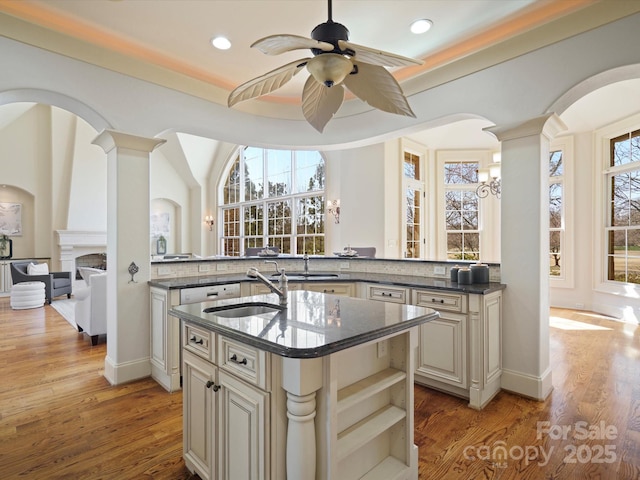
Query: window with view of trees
(556, 212)
(414, 195)
(274, 198)
(623, 222)
(461, 210)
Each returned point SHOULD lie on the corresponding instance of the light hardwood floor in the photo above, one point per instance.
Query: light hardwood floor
(60, 419)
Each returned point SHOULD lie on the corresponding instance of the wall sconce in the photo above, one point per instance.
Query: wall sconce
(333, 207)
(490, 181)
(209, 221)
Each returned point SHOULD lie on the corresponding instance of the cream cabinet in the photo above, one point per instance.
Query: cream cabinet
(344, 289)
(461, 352)
(226, 419)
(251, 414)
(5, 277)
(199, 409)
(335, 288)
(165, 329)
(165, 338)
(443, 342)
(386, 293)
(258, 288)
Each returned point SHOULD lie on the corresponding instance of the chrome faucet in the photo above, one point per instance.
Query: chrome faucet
(282, 292)
(275, 264)
(305, 258)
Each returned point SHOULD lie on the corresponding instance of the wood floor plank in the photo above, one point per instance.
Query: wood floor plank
(60, 418)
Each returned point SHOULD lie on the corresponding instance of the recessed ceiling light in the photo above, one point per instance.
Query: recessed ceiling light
(421, 26)
(221, 43)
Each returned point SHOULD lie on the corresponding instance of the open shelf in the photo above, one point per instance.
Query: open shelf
(389, 469)
(362, 432)
(367, 387)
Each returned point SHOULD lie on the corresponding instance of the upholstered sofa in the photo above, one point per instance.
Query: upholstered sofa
(91, 307)
(55, 283)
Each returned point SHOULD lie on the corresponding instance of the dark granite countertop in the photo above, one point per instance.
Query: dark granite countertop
(409, 281)
(313, 325)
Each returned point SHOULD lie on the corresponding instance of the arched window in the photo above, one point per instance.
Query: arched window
(274, 198)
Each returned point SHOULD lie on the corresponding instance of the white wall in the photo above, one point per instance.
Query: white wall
(88, 190)
(362, 197)
(166, 184)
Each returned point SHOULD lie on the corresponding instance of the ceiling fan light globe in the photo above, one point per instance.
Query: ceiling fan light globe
(329, 69)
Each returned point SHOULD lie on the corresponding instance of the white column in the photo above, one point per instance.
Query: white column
(301, 378)
(128, 210)
(525, 254)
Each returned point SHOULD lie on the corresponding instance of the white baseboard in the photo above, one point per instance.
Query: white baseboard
(527, 385)
(125, 372)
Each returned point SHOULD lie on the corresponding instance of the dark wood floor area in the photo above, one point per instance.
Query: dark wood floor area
(60, 419)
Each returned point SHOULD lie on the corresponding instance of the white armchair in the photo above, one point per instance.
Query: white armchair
(91, 307)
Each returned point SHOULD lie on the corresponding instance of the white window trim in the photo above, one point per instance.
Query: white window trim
(489, 217)
(566, 278)
(601, 168)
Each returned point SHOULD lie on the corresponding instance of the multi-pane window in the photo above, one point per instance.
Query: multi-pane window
(461, 210)
(414, 194)
(556, 212)
(279, 195)
(623, 226)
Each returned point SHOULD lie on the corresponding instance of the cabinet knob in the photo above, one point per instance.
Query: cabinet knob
(194, 339)
(234, 358)
(211, 384)
(433, 300)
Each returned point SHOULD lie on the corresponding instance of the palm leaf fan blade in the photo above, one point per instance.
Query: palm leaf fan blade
(377, 57)
(320, 103)
(377, 87)
(277, 44)
(266, 83)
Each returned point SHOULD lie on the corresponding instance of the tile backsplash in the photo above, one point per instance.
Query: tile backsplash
(221, 266)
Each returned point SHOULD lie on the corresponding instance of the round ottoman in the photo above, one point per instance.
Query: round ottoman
(27, 295)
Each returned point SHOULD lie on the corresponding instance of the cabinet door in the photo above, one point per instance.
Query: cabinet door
(159, 307)
(165, 339)
(199, 408)
(242, 427)
(5, 277)
(443, 349)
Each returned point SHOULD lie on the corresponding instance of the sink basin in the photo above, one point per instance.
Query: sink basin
(243, 310)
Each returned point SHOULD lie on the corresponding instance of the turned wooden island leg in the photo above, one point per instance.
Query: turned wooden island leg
(301, 379)
(301, 436)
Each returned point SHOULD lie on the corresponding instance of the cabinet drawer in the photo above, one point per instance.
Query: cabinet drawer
(261, 289)
(244, 361)
(345, 289)
(387, 294)
(451, 302)
(199, 341)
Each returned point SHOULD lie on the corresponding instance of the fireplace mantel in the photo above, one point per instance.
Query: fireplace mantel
(75, 243)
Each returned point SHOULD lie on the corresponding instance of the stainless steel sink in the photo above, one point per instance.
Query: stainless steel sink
(243, 310)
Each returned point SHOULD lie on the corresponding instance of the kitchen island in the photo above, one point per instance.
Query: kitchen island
(320, 389)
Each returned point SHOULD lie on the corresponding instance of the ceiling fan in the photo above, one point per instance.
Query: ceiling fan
(336, 63)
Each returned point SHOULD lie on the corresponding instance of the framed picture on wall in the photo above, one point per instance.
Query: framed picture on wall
(160, 224)
(10, 219)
